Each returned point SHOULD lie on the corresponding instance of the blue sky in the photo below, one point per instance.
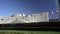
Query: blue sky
(10, 7)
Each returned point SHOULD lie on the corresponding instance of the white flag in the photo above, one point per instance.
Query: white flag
(52, 12)
(57, 11)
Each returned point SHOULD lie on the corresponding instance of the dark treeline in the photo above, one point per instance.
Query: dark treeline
(40, 26)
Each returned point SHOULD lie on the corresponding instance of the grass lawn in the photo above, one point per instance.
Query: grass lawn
(27, 32)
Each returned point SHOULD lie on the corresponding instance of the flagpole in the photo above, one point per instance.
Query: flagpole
(57, 14)
(52, 15)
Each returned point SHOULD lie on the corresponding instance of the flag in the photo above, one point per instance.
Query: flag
(57, 11)
(52, 12)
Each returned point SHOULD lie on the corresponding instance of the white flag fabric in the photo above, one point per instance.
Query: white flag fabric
(57, 11)
(52, 12)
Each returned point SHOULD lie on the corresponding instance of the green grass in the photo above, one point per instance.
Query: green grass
(27, 32)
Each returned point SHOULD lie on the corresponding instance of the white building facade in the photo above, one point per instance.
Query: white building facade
(39, 17)
(23, 18)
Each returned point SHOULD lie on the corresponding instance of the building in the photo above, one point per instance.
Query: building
(58, 7)
(40, 17)
(59, 10)
(23, 18)
(1, 18)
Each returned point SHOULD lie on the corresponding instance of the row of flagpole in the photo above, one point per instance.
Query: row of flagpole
(52, 14)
